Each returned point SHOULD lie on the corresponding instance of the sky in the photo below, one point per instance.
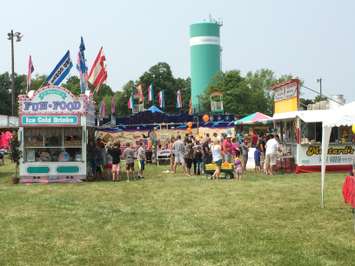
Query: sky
(307, 38)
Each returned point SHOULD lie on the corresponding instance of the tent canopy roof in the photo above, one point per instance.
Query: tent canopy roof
(154, 109)
(253, 118)
(342, 116)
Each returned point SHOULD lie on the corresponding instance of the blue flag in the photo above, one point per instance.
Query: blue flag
(61, 70)
(82, 68)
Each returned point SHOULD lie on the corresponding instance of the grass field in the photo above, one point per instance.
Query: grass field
(176, 220)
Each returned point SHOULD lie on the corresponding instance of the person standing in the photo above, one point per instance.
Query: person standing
(188, 156)
(217, 158)
(178, 149)
(141, 159)
(271, 147)
(172, 156)
(197, 161)
(257, 156)
(227, 149)
(245, 150)
(128, 155)
(91, 158)
(115, 153)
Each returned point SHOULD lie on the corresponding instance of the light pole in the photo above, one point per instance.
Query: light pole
(320, 87)
(11, 35)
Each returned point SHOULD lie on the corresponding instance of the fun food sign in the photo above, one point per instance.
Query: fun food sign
(51, 106)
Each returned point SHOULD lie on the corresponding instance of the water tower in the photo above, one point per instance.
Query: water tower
(205, 57)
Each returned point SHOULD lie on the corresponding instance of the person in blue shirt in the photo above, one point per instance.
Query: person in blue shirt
(257, 155)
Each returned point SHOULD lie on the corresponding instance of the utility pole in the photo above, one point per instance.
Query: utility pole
(11, 35)
(320, 87)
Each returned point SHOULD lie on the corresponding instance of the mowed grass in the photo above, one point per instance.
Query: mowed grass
(176, 220)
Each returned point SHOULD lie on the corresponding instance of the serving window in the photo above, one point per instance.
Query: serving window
(52, 144)
(312, 133)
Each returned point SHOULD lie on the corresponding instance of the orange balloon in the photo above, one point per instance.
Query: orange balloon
(205, 118)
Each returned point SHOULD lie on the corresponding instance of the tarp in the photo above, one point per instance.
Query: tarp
(342, 116)
(154, 109)
(253, 118)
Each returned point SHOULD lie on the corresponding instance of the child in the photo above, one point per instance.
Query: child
(257, 155)
(128, 155)
(141, 159)
(238, 167)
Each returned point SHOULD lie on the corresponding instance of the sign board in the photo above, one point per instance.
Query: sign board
(55, 106)
(337, 154)
(286, 96)
(50, 120)
(52, 100)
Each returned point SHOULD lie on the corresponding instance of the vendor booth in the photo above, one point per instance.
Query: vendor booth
(301, 137)
(54, 130)
(301, 133)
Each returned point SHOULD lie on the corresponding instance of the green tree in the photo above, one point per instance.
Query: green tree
(122, 97)
(244, 95)
(163, 79)
(73, 85)
(5, 85)
(38, 82)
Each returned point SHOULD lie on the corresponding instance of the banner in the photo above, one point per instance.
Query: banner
(61, 70)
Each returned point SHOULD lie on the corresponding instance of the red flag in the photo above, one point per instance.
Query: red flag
(29, 73)
(113, 105)
(98, 73)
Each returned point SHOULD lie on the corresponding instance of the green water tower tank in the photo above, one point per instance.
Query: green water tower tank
(205, 57)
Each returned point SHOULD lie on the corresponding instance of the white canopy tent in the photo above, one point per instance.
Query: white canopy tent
(342, 116)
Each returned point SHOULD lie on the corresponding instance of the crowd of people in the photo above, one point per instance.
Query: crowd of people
(218, 149)
(190, 152)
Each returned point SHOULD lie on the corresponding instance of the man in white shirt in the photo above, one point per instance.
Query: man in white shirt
(271, 148)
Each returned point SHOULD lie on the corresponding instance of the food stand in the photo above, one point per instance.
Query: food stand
(301, 136)
(54, 128)
(300, 133)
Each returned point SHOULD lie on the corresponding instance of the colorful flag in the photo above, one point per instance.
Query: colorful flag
(102, 109)
(190, 107)
(61, 70)
(29, 73)
(178, 100)
(98, 73)
(130, 102)
(113, 105)
(161, 99)
(82, 68)
(150, 93)
(140, 94)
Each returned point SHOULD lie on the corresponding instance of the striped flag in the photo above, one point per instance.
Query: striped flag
(82, 68)
(161, 99)
(29, 73)
(61, 70)
(178, 100)
(140, 94)
(98, 73)
(102, 109)
(113, 105)
(130, 102)
(150, 93)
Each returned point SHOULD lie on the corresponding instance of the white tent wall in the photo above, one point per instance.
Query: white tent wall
(325, 143)
(342, 116)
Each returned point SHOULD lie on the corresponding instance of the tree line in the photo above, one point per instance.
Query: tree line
(242, 94)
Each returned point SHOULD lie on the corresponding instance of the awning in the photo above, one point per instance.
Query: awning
(253, 118)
